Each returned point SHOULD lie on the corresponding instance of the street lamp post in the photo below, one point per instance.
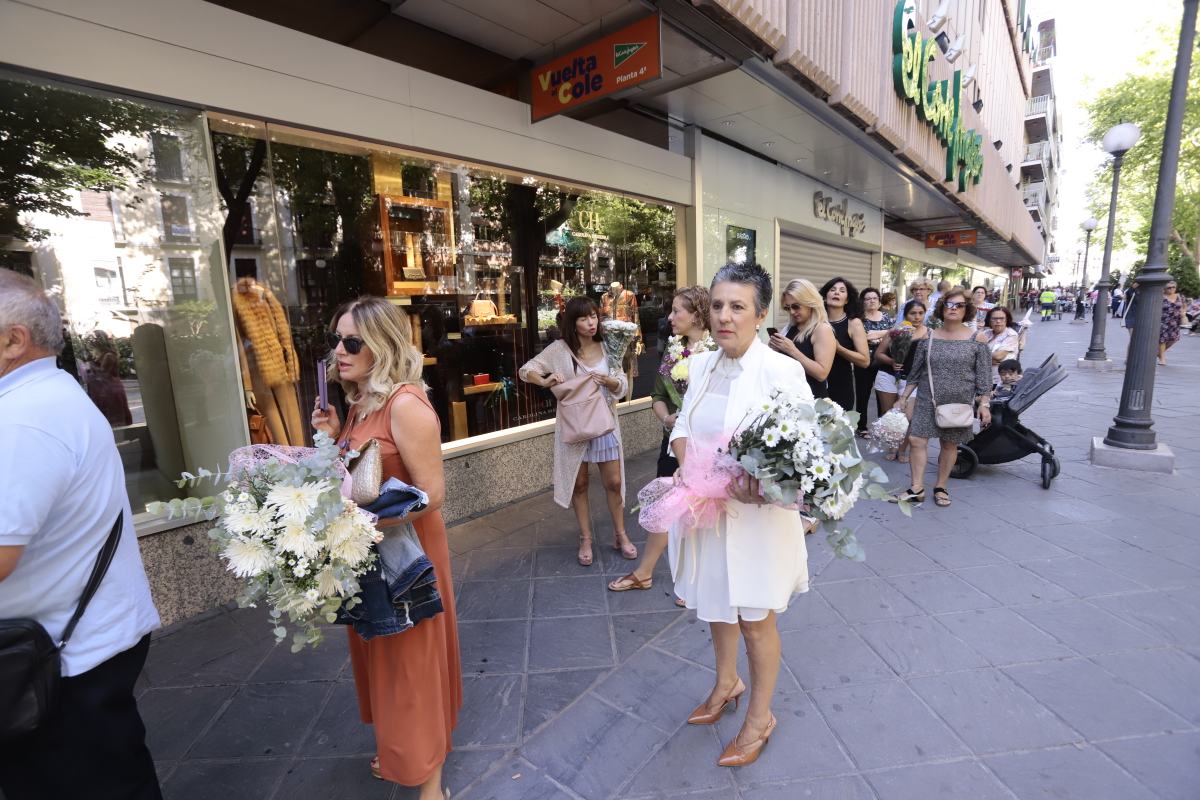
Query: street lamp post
(1119, 140)
(1088, 225)
(1133, 428)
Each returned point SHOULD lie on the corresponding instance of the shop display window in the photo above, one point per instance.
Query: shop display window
(113, 213)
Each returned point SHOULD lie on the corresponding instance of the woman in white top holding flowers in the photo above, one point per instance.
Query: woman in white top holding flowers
(741, 573)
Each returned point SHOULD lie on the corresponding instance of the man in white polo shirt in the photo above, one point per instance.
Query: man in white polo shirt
(61, 489)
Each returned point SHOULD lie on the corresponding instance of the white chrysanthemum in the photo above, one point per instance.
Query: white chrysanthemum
(295, 503)
(247, 557)
(295, 538)
(328, 584)
(819, 470)
(770, 437)
(349, 541)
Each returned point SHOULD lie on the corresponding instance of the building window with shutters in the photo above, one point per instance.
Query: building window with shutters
(183, 279)
(168, 157)
(108, 285)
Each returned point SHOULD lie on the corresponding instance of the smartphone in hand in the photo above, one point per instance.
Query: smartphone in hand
(322, 386)
(772, 331)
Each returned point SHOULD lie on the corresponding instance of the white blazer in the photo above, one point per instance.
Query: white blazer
(764, 545)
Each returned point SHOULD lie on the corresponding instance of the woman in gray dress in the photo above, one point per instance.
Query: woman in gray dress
(960, 370)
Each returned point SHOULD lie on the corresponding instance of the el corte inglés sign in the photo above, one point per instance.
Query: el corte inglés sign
(938, 103)
(826, 209)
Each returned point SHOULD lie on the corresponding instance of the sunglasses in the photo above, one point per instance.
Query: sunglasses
(794, 307)
(353, 344)
(955, 304)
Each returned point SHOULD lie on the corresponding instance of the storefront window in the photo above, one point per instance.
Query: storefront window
(481, 260)
(111, 209)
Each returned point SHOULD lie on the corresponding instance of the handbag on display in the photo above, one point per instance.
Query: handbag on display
(481, 307)
(583, 413)
(30, 661)
(947, 415)
(257, 423)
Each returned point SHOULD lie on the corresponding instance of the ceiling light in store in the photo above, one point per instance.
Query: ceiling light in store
(727, 123)
(768, 144)
(826, 172)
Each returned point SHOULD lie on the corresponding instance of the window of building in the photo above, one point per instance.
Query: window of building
(108, 285)
(176, 223)
(183, 279)
(168, 157)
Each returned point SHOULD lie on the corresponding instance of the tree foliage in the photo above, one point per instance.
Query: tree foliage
(1142, 98)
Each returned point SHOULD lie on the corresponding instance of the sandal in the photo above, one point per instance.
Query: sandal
(585, 559)
(890, 455)
(679, 602)
(628, 551)
(375, 771)
(630, 581)
(909, 495)
(941, 498)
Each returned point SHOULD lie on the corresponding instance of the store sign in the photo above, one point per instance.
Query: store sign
(964, 238)
(937, 103)
(740, 244)
(618, 61)
(826, 209)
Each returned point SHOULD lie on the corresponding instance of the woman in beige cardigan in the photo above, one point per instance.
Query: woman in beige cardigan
(581, 349)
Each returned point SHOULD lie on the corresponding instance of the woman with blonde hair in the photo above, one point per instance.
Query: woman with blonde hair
(580, 350)
(409, 682)
(808, 337)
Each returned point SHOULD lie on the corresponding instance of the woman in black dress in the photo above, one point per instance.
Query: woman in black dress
(841, 305)
(876, 323)
(808, 337)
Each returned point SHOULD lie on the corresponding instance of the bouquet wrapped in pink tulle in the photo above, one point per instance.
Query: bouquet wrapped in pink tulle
(696, 499)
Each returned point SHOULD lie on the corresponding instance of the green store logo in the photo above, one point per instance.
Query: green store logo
(624, 52)
(937, 103)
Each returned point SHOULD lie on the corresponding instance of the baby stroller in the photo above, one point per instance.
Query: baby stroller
(1006, 439)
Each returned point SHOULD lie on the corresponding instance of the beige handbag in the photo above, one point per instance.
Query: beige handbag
(481, 307)
(366, 473)
(946, 415)
(583, 413)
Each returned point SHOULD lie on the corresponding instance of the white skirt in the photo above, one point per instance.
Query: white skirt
(702, 577)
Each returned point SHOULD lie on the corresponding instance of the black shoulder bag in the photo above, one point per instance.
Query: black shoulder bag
(30, 662)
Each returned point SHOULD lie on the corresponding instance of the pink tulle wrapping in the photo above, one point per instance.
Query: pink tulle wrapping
(697, 502)
(247, 458)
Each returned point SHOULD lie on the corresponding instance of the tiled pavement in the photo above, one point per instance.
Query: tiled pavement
(1022, 644)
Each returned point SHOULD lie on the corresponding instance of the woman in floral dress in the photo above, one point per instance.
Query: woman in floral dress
(1172, 318)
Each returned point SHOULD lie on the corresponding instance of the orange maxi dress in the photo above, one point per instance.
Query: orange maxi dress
(409, 684)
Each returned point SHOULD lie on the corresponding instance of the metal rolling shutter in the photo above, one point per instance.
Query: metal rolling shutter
(818, 262)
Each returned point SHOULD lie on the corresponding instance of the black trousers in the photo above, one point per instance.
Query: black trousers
(864, 387)
(666, 459)
(94, 744)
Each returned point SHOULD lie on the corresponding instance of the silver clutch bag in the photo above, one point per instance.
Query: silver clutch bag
(366, 473)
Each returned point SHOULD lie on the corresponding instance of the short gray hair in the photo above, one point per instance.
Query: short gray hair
(22, 302)
(748, 275)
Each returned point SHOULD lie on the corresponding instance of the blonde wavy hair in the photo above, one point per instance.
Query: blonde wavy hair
(928, 284)
(385, 329)
(807, 295)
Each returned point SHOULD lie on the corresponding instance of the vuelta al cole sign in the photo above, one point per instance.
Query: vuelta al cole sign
(938, 103)
(622, 59)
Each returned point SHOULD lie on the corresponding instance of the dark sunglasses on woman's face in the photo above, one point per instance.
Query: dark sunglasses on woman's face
(955, 304)
(794, 307)
(353, 344)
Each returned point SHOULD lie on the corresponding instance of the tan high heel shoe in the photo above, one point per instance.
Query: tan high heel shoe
(702, 716)
(736, 755)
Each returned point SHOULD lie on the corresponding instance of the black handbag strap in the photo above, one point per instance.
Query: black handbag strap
(98, 571)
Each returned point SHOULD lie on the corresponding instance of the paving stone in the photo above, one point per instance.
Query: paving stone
(686, 764)
(228, 780)
(1082, 577)
(559, 562)
(808, 610)
(1066, 773)
(525, 538)
(919, 645)
(899, 558)
(1012, 584)
(548, 693)
(689, 638)
(885, 725)
(1092, 701)
(593, 748)
(1086, 628)
(501, 564)
(868, 600)
(659, 597)
(323, 662)
(632, 631)
(849, 787)
(941, 592)
(990, 712)
(516, 779)
(956, 552)
(474, 534)
(491, 647)
(175, 717)
(493, 600)
(834, 656)
(491, 711)
(334, 779)
(839, 569)
(340, 731)
(569, 597)
(656, 687)
(1168, 764)
(570, 642)
(210, 652)
(266, 719)
(1169, 676)
(1151, 569)
(1168, 615)
(954, 781)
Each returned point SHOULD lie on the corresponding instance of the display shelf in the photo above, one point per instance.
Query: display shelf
(483, 388)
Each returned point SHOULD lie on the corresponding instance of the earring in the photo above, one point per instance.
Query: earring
(758, 327)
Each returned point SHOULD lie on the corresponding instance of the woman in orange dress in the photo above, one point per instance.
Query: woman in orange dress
(409, 684)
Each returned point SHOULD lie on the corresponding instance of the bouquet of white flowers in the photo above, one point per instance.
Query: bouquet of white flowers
(804, 453)
(675, 365)
(888, 432)
(285, 529)
(617, 336)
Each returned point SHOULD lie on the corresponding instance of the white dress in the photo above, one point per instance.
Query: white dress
(702, 580)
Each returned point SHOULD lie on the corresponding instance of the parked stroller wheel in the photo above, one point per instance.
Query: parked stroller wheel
(1049, 471)
(965, 464)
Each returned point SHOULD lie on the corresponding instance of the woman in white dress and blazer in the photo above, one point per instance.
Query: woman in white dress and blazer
(739, 575)
(580, 349)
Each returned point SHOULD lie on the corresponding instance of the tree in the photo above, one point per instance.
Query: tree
(55, 140)
(1143, 98)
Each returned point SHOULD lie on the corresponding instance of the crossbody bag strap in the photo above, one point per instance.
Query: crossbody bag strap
(929, 368)
(98, 571)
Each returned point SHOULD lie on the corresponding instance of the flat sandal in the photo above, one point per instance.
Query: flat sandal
(632, 582)
(941, 498)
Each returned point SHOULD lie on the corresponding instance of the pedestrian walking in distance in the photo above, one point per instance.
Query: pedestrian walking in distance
(64, 487)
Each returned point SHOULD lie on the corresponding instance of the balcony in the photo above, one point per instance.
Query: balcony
(1041, 57)
(1039, 118)
(1035, 165)
(1034, 195)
